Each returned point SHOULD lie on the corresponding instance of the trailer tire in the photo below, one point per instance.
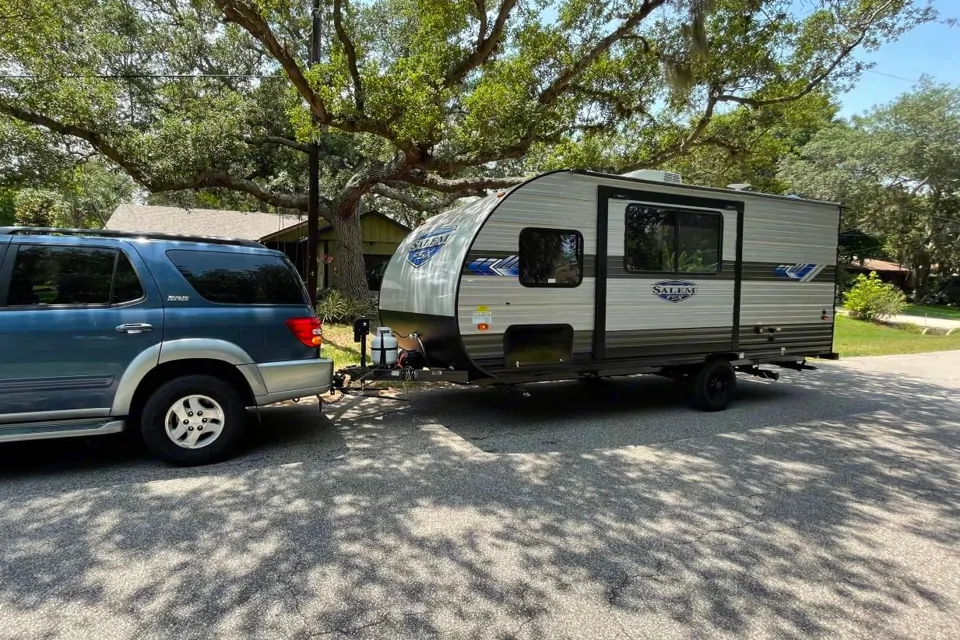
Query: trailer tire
(714, 385)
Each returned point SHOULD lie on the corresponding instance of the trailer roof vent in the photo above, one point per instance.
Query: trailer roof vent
(655, 174)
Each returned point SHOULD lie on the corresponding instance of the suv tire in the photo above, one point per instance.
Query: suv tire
(714, 385)
(186, 398)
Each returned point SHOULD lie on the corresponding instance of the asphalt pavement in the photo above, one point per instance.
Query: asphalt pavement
(823, 505)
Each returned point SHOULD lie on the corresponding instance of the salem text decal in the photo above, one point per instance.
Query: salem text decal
(674, 290)
(798, 272)
(509, 266)
(428, 245)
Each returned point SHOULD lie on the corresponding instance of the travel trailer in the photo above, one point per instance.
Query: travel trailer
(579, 274)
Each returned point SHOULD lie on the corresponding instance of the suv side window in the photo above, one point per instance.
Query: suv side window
(240, 278)
(64, 275)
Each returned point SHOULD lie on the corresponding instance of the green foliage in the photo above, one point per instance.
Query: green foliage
(413, 97)
(83, 196)
(7, 207)
(36, 208)
(692, 261)
(872, 299)
(336, 307)
(897, 171)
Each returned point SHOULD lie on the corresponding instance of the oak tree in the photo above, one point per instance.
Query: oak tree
(417, 101)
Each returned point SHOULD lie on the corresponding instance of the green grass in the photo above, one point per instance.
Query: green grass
(338, 344)
(946, 313)
(861, 338)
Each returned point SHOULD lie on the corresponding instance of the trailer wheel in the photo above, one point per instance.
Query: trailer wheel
(714, 385)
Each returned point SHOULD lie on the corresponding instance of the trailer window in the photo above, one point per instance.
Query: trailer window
(550, 258)
(670, 240)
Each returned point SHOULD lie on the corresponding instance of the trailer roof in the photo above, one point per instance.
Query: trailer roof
(757, 194)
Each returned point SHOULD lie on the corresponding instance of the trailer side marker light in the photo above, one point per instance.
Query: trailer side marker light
(483, 326)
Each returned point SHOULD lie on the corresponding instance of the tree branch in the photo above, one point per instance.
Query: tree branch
(351, 51)
(486, 45)
(206, 179)
(510, 152)
(688, 142)
(248, 17)
(278, 140)
(222, 180)
(416, 203)
(819, 78)
(562, 81)
(463, 185)
(93, 138)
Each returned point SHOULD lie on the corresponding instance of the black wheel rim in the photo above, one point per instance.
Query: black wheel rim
(718, 385)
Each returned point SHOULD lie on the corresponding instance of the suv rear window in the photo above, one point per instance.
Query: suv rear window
(240, 278)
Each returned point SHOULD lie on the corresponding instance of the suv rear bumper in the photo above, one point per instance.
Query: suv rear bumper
(290, 379)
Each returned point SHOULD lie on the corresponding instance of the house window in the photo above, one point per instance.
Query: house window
(550, 258)
(669, 240)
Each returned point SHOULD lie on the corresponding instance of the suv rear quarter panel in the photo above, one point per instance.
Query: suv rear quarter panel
(259, 330)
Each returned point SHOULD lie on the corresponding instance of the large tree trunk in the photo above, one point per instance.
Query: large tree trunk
(349, 274)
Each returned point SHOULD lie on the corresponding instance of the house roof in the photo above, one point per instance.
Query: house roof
(324, 225)
(212, 222)
(878, 265)
(203, 222)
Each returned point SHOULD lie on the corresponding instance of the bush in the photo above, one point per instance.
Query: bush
(335, 307)
(872, 299)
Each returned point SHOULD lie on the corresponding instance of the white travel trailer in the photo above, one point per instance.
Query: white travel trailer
(580, 274)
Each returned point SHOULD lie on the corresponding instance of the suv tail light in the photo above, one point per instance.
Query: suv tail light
(309, 331)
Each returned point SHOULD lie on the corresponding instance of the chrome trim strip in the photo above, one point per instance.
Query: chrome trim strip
(52, 431)
(50, 416)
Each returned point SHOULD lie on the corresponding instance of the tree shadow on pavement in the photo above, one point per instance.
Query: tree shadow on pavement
(811, 506)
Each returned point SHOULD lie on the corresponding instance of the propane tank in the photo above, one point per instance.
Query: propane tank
(384, 349)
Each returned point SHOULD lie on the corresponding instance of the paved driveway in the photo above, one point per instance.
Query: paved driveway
(827, 504)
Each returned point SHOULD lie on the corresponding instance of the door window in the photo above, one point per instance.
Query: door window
(670, 240)
(45, 275)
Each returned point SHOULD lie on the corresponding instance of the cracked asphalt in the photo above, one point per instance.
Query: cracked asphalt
(823, 505)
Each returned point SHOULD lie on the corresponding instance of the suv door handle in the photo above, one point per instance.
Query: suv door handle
(134, 327)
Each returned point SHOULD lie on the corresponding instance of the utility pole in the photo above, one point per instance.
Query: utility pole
(313, 196)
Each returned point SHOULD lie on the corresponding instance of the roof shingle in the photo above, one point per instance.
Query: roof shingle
(201, 222)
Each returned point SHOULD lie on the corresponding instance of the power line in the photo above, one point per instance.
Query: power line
(888, 75)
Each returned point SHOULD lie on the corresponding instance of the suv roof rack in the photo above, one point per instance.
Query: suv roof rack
(110, 233)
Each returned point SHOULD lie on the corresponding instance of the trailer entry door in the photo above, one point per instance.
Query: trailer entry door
(667, 274)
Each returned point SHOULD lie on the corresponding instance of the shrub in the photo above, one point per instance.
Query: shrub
(335, 307)
(872, 299)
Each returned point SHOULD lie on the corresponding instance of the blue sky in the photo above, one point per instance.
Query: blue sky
(931, 49)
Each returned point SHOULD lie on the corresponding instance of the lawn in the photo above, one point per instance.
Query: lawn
(861, 338)
(338, 344)
(946, 313)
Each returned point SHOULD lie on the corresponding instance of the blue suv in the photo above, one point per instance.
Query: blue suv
(174, 336)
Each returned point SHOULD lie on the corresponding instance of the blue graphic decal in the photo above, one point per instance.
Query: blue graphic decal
(428, 245)
(509, 266)
(799, 272)
(674, 290)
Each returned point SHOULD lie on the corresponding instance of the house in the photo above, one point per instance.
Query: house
(381, 234)
(887, 271)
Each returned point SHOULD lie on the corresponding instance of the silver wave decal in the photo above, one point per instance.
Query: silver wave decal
(674, 290)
